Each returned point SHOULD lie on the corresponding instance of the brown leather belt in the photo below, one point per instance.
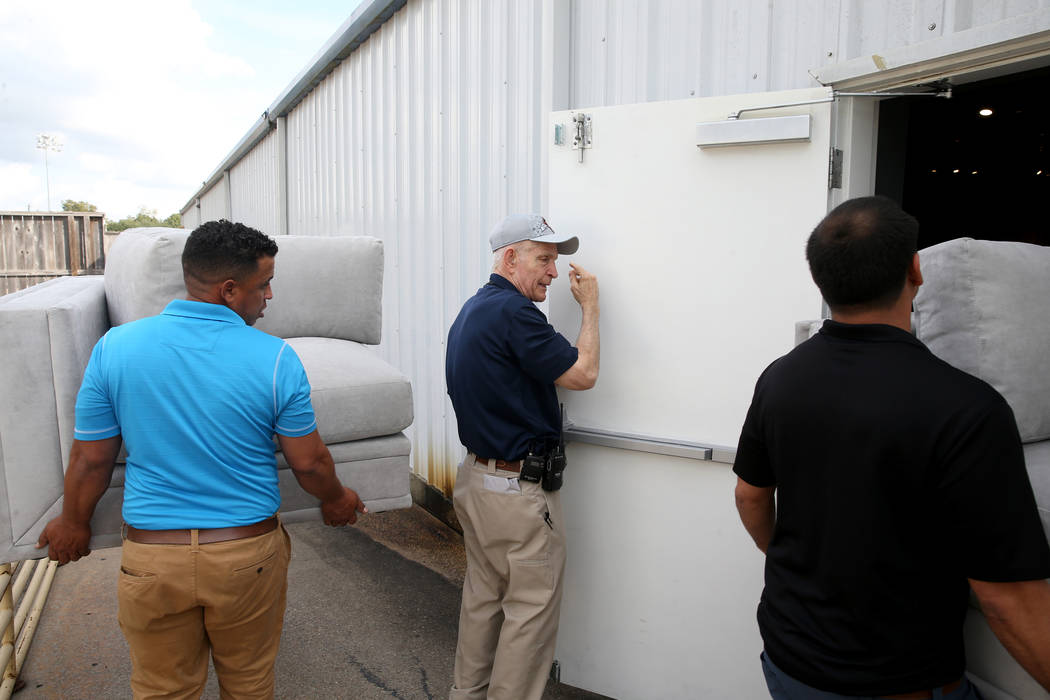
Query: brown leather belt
(925, 694)
(204, 536)
(506, 466)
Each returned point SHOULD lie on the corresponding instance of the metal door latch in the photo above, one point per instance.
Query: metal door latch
(584, 137)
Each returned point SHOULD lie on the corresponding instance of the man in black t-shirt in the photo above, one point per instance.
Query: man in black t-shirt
(883, 484)
(503, 360)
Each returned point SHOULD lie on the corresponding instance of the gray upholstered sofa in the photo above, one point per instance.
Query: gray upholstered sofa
(985, 308)
(327, 303)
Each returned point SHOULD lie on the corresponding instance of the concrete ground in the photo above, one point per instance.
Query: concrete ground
(372, 613)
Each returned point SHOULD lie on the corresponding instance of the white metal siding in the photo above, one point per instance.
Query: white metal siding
(191, 218)
(424, 137)
(213, 203)
(434, 128)
(626, 51)
(253, 187)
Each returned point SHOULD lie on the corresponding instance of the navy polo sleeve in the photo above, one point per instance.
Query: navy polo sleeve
(542, 352)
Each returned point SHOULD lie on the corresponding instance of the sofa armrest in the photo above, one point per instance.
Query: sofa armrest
(46, 336)
(76, 324)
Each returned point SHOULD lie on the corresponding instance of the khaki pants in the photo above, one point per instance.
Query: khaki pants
(177, 601)
(515, 544)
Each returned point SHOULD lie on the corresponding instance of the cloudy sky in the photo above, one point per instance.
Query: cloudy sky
(145, 96)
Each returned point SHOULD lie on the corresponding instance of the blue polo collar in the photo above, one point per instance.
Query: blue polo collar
(202, 310)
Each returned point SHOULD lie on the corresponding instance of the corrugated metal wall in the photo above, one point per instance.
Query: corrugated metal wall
(191, 218)
(434, 127)
(253, 186)
(626, 51)
(213, 203)
(427, 135)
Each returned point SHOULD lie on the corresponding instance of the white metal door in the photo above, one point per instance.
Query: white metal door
(700, 258)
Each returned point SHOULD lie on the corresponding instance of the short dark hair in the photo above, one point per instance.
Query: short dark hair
(860, 252)
(221, 250)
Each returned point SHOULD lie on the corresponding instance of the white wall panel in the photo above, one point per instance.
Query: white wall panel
(425, 136)
(191, 218)
(626, 51)
(213, 203)
(253, 187)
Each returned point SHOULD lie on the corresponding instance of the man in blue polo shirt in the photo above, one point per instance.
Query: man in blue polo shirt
(502, 364)
(196, 395)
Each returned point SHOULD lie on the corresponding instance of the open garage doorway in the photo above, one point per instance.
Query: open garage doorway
(974, 165)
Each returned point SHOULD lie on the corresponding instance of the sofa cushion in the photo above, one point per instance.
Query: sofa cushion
(324, 286)
(355, 393)
(1037, 460)
(983, 308)
(327, 287)
(144, 272)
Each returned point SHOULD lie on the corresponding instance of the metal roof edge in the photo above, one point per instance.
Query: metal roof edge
(247, 142)
(366, 19)
(969, 49)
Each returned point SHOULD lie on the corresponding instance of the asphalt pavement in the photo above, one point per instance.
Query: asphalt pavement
(372, 613)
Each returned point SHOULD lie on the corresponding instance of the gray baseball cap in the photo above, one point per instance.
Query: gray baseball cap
(530, 227)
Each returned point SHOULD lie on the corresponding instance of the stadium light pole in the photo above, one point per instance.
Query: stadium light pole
(46, 142)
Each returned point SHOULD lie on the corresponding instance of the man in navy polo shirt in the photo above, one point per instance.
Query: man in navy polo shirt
(882, 485)
(502, 364)
(197, 395)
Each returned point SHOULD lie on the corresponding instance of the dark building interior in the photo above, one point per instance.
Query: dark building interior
(973, 165)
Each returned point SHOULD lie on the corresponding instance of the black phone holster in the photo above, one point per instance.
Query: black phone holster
(545, 469)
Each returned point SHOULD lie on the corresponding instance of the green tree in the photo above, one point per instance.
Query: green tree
(72, 205)
(145, 217)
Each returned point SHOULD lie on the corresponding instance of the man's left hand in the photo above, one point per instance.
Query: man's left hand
(65, 541)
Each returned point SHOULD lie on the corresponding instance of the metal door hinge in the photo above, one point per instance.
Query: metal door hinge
(835, 169)
(556, 672)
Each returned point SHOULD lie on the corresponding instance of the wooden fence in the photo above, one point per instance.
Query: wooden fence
(38, 246)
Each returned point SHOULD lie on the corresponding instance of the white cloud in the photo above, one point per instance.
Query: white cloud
(97, 162)
(135, 89)
(22, 189)
(148, 96)
(116, 40)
